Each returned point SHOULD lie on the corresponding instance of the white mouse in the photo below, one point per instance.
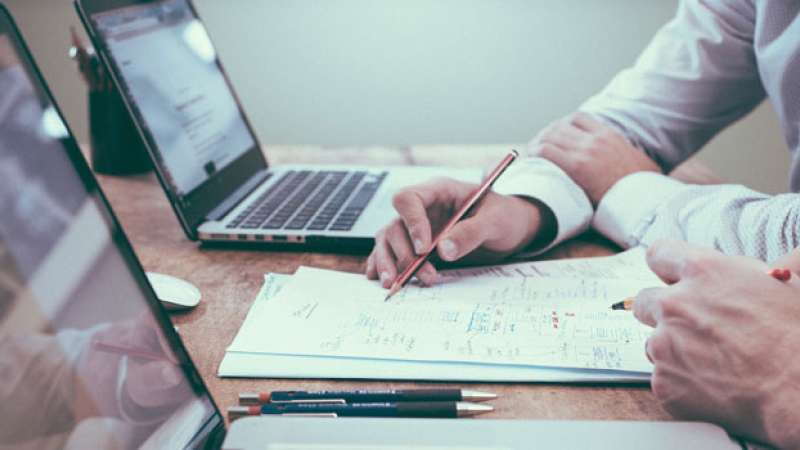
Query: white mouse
(175, 294)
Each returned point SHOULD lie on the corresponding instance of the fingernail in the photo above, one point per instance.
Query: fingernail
(384, 277)
(418, 247)
(448, 249)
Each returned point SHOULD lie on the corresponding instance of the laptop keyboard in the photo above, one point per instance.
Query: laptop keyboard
(312, 200)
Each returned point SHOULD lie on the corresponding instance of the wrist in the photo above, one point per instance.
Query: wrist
(541, 225)
(780, 416)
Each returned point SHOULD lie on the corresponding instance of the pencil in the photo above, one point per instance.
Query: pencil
(473, 199)
(780, 274)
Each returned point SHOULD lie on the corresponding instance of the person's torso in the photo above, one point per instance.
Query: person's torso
(777, 50)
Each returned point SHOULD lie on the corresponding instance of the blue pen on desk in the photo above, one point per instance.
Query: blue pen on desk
(364, 396)
(389, 409)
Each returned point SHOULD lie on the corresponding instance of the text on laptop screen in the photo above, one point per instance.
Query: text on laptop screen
(83, 362)
(168, 65)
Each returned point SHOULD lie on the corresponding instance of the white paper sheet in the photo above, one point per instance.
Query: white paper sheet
(506, 320)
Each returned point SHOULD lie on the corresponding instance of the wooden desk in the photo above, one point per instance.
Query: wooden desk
(229, 281)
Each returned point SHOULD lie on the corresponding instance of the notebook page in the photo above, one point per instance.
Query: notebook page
(556, 322)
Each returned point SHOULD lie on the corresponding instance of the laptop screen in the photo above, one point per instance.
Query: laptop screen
(168, 70)
(84, 360)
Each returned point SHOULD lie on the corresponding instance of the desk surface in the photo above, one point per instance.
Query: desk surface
(230, 279)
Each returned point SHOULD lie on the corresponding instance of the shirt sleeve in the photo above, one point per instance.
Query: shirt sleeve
(645, 207)
(697, 75)
(540, 179)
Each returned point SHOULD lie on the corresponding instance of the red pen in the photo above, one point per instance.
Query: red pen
(409, 272)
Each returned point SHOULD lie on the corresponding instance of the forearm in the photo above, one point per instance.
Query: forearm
(697, 76)
(644, 208)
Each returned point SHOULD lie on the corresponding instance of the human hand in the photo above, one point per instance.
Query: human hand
(725, 342)
(498, 226)
(148, 384)
(594, 155)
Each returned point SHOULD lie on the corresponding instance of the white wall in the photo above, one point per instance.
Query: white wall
(359, 72)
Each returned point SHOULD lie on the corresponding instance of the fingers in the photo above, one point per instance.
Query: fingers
(586, 122)
(385, 263)
(400, 244)
(154, 383)
(465, 237)
(672, 260)
(412, 206)
(371, 271)
(555, 154)
(393, 252)
(648, 305)
(789, 261)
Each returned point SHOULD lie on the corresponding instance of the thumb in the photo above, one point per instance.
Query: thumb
(465, 237)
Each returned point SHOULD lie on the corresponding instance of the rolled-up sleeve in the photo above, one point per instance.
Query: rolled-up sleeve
(645, 207)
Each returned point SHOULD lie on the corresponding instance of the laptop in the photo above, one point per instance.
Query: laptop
(90, 359)
(205, 153)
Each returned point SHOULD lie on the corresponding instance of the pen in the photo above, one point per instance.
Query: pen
(780, 274)
(387, 409)
(473, 199)
(359, 396)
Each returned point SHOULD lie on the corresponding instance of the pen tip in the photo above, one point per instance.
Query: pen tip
(466, 409)
(477, 396)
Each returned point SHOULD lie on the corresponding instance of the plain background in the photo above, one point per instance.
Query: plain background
(364, 72)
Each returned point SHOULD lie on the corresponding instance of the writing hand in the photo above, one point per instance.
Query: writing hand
(594, 155)
(725, 342)
(498, 226)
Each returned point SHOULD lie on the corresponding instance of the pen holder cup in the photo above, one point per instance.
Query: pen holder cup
(116, 145)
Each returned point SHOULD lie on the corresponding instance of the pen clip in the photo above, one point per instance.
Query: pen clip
(323, 415)
(334, 401)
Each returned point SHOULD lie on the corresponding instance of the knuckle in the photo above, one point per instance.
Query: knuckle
(607, 134)
(659, 385)
(403, 198)
(697, 265)
(547, 151)
(595, 143)
(658, 346)
(652, 251)
(573, 117)
(673, 306)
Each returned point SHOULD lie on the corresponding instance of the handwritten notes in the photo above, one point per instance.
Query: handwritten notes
(552, 314)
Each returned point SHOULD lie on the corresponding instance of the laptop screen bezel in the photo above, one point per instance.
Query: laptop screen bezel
(214, 428)
(194, 207)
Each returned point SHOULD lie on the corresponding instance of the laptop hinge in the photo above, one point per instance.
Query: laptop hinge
(237, 196)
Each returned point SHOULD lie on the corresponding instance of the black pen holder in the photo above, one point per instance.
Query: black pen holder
(116, 145)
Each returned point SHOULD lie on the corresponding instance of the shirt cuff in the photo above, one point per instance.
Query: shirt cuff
(544, 181)
(631, 205)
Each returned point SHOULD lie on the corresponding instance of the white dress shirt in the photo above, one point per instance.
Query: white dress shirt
(709, 66)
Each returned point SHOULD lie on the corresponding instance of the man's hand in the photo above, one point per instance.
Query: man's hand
(498, 226)
(725, 343)
(148, 386)
(594, 155)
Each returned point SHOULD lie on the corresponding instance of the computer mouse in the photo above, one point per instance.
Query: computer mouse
(175, 294)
